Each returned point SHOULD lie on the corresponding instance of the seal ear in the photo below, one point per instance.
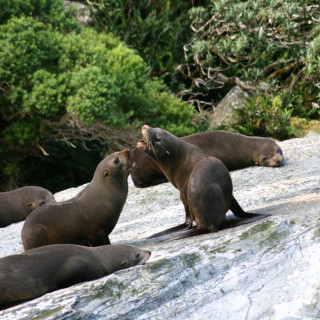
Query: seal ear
(29, 206)
(106, 173)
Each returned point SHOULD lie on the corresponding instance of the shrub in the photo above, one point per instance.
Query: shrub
(264, 116)
(47, 74)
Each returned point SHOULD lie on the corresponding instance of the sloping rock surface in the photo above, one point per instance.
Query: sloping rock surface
(268, 269)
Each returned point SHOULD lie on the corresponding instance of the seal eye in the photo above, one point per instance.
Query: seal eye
(116, 160)
(42, 203)
(279, 151)
(137, 257)
(106, 173)
(264, 159)
(157, 139)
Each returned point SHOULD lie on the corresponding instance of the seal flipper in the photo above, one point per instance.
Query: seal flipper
(240, 213)
(171, 230)
(225, 225)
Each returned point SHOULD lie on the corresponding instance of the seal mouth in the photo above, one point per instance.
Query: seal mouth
(131, 167)
(141, 144)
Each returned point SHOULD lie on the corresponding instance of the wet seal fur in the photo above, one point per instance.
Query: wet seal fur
(15, 205)
(89, 217)
(236, 151)
(204, 182)
(38, 271)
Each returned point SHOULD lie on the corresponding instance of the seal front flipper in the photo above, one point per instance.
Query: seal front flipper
(240, 213)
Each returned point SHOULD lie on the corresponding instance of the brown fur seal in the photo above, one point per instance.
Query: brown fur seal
(38, 271)
(15, 205)
(87, 218)
(204, 182)
(236, 151)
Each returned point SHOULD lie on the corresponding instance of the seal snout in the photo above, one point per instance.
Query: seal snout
(125, 155)
(144, 256)
(143, 143)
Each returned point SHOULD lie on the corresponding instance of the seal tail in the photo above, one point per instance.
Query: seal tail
(240, 213)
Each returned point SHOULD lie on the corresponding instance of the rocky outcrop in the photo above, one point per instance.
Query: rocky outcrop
(264, 270)
(222, 113)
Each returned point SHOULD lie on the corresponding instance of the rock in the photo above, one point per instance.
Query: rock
(265, 270)
(222, 113)
(83, 13)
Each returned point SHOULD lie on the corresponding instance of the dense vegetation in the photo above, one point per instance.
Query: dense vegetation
(63, 82)
(214, 45)
(66, 89)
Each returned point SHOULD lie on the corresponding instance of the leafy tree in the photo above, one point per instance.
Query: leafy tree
(249, 42)
(157, 29)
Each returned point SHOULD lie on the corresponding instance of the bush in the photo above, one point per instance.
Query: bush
(51, 12)
(47, 74)
(264, 116)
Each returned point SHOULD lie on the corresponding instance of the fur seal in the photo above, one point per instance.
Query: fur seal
(89, 217)
(38, 271)
(15, 205)
(204, 182)
(236, 151)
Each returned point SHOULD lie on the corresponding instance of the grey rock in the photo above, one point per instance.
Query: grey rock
(222, 113)
(268, 269)
(83, 13)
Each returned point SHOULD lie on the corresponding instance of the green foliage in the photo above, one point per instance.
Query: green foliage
(47, 11)
(157, 29)
(49, 70)
(264, 116)
(313, 58)
(97, 78)
(247, 42)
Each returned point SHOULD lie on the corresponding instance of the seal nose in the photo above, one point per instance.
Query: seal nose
(126, 153)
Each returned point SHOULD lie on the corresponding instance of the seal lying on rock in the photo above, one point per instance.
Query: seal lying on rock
(15, 205)
(89, 217)
(236, 151)
(38, 271)
(204, 182)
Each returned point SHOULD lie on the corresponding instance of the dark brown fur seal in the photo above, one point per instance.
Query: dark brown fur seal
(204, 182)
(38, 271)
(15, 205)
(87, 218)
(236, 151)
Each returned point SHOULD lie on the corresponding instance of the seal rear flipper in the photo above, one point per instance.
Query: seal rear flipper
(192, 233)
(225, 225)
(240, 213)
(171, 230)
(235, 223)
